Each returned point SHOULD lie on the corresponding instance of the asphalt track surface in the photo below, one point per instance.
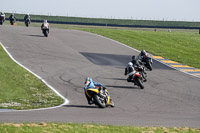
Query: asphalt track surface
(64, 59)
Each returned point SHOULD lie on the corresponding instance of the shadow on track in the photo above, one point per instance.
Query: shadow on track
(123, 87)
(36, 35)
(116, 79)
(79, 106)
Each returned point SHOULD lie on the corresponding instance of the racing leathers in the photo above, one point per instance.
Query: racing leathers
(92, 84)
(130, 70)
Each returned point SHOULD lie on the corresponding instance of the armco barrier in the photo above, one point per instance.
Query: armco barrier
(111, 25)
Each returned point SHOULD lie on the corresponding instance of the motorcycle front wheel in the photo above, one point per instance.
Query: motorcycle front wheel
(139, 83)
(45, 32)
(149, 66)
(26, 24)
(99, 101)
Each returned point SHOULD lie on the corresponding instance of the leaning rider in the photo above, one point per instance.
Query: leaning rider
(138, 66)
(130, 70)
(89, 83)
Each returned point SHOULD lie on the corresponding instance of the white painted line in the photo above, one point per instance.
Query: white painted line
(66, 101)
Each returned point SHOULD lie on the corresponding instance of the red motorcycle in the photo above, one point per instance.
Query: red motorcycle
(45, 29)
(138, 79)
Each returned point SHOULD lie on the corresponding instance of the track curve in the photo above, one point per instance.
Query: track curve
(67, 57)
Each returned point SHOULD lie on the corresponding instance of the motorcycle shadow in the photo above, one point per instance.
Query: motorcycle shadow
(116, 79)
(36, 35)
(80, 106)
(123, 87)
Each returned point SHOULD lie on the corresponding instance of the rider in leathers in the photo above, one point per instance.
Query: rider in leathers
(89, 83)
(3, 16)
(142, 53)
(136, 65)
(27, 16)
(12, 17)
(130, 70)
(47, 24)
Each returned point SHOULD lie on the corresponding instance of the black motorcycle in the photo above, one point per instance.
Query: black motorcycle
(12, 21)
(147, 61)
(2, 19)
(27, 22)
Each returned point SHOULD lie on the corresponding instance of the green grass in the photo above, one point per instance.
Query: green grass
(20, 89)
(86, 128)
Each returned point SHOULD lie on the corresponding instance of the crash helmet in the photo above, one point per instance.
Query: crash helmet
(143, 52)
(133, 57)
(130, 64)
(45, 21)
(89, 83)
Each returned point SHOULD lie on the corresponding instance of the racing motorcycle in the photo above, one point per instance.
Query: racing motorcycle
(2, 19)
(27, 22)
(100, 96)
(147, 61)
(45, 30)
(12, 21)
(138, 78)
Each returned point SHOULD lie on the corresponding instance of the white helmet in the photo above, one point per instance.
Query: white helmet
(130, 64)
(45, 21)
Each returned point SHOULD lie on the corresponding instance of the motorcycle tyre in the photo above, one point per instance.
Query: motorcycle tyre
(45, 33)
(139, 83)
(149, 66)
(26, 24)
(98, 102)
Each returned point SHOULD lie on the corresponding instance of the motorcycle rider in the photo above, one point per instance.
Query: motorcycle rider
(130, 70)
(27, 16)
(45, 23)
(141, 55)
(89, 83)
(12, 17)
(3, 16)
(137, 65)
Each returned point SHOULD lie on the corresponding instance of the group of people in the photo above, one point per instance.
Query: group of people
(133, 66)
(27, 17)
(136, 65)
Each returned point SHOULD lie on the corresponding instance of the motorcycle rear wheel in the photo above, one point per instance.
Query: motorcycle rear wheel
(99, 102)
(139, 83)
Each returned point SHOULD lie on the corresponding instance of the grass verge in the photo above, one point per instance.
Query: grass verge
(86, 128)
(20, 89)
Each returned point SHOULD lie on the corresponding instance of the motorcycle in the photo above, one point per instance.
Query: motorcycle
(147, 61)
(138, 79)
(2, 19)
(27, 22)
(45, 30)
(100, 96)
(12, 21)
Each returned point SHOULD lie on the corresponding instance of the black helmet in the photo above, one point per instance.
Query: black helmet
(143, 52)
(133, 57)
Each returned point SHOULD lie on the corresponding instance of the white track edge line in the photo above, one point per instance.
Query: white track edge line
(66, 101)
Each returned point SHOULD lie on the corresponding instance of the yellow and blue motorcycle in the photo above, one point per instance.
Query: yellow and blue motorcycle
(100, 96)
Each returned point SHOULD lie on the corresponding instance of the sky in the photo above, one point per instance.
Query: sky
(167, 10)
